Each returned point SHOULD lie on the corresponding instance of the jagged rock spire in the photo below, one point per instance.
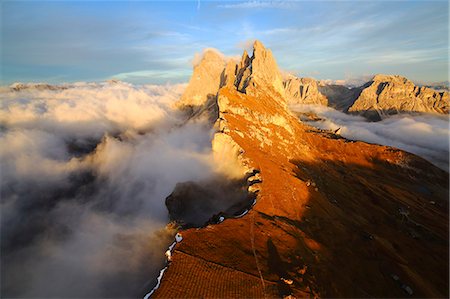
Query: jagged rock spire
(251, 76)
(205, 80)
(259, 72)
(229, 74)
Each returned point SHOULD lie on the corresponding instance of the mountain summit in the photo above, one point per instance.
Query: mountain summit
(205, 80)
(391, 94)
(249, 76)
(260, 71)
(332, 217)
(382, 96)
(304, 91)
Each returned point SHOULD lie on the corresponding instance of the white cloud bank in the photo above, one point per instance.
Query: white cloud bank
(85, 170)
(424, 135)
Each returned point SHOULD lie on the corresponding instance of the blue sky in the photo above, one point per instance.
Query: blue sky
(155, 41)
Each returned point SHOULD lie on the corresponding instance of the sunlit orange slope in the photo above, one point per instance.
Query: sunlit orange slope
(333, 218)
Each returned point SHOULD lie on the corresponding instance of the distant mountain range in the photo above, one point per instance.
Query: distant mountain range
(439, 86)
(383, 95)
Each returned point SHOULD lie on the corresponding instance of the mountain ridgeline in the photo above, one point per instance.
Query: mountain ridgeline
(331, 217)
(386, 95)
(382, 96)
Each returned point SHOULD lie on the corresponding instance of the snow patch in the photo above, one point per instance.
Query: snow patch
(178, 237)
(160, 276)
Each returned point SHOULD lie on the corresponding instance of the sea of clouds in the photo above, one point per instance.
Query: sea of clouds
(85, 170)
(426, 135)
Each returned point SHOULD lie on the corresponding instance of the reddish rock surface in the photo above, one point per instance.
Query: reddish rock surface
(336, 218)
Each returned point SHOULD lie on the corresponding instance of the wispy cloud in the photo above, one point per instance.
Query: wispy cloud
(364, 39)
(333, 38)
(412, 56)
(146, 76)
(259, 4)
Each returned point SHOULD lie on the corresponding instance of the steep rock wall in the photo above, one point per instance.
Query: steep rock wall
(304, 91)
(388, 94)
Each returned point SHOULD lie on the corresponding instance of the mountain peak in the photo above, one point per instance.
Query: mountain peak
(250, 76)
(245, 60)
(303, 91)
(259, 71)
(392, 94)
(211, 54)
(258, 46)
(205, 80)
(389, 78)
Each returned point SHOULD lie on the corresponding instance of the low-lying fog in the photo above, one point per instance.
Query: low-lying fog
(425, 135)
(85, 171)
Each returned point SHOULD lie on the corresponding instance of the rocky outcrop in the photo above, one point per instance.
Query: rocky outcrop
(200, 95)
(226, 149)
(303, 91)
(256, 74)
(319, 197)
(389, 94)
(264, 71)
(252, 75)
(194, 204)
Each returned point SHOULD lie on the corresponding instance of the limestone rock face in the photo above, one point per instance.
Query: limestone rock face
(265, 69)
(255, 75)
(205, 81)
(389, 94)
(228, 76)
(250, 75)
(225, 149)
(303, 91)
(259, 72)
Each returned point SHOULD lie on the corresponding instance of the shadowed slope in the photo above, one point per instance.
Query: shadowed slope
(333, 218)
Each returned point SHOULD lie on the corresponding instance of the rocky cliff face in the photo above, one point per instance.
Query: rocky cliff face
(333, 217)
(252, 75)
(387, 94)
(263, 72)
(304, 91)
(200, 95)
